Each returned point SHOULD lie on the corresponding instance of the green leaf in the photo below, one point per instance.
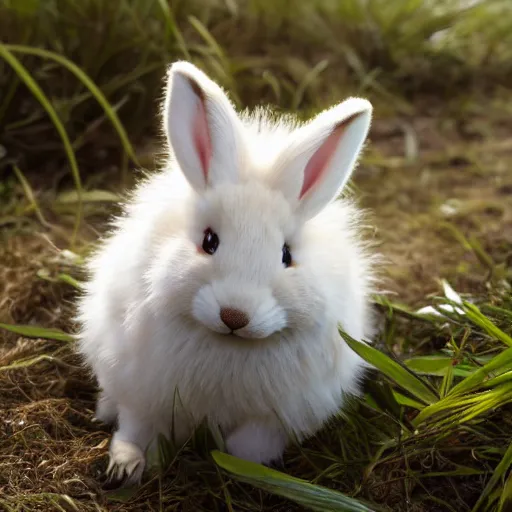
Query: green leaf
(499, 473)
(429, 365)
(500, 364)
(392, 370)
(408, 402)
(31, 331)
(314, 497)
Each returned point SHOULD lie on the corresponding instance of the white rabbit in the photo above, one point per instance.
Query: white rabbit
(218, 294)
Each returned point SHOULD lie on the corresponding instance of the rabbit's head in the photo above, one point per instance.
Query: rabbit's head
(245, 267)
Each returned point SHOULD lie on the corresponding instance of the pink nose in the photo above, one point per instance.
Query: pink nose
(234, 318)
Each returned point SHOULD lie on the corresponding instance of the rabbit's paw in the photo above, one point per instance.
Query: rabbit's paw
(257, 442)
(126, 463)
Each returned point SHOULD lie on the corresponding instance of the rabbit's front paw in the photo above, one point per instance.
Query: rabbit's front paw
(126, 463)
(257, 442)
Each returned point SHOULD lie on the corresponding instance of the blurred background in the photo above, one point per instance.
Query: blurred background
(80, 89)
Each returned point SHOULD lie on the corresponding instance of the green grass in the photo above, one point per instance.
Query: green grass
(435, 428)
(80, 84)
(293, 54)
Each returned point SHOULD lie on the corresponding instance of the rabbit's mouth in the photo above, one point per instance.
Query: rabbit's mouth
(250, 332)
(225, 310)
(235, 336)
(232, 336)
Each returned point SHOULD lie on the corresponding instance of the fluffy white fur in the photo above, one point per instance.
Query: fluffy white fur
(150, 324)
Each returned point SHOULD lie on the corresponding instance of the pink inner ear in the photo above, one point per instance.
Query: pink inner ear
(201, 136)
(319, 162)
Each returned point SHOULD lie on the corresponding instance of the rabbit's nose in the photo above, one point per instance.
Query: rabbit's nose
(234, 318)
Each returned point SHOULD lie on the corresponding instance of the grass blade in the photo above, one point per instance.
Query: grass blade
(497, 381)
(66, 278)
(34, 88)
(501, 363)
(499, 473)
(447, 382)
(506, 495)
(172, 26)
(87, 82)
(392, 370)
(209, 39)
(314, 497)
(27, 189)
(308, 79)
(496, 399)
(88, 196)
(31, 331)
(460, 409)
(32, 361)
(401, 309)
(478, 318)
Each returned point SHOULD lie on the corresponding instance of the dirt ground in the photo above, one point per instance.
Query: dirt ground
(439, 193)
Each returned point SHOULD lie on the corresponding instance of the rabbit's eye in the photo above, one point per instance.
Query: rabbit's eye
(287, 256)
(210, 241)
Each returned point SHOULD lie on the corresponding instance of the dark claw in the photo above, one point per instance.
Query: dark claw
(114, 478)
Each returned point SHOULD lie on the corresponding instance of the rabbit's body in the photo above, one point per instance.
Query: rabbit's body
(151, 329)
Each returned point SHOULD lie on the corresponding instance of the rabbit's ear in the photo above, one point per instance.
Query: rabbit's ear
(202, 127)
(320, 157)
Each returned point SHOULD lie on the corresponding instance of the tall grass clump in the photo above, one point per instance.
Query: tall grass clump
(296, 55)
